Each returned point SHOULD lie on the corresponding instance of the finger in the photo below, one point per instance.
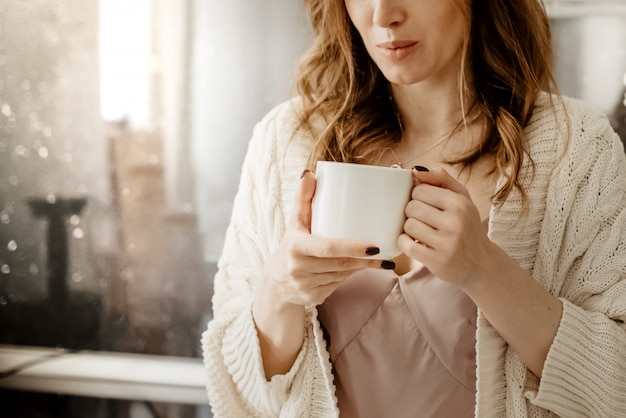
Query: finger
(423, 212)
(324, 279)
(303, 199)
(420, 232)
(322, 248)
(417, 250)
(434, 196)
(331, 266)
(440, 178)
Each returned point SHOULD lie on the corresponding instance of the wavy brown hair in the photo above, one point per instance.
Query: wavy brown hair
(507, 53)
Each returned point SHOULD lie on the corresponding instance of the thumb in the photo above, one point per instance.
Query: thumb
(440, 178)
(303, 199)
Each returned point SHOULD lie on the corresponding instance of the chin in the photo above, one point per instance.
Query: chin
(405, 75)
(402, 78)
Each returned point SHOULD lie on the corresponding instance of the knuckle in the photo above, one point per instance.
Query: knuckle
(415, 193)
(459, 206)
(408, 224)
(346, 263)
(300, 287)
(293, 250)
(292, 267)
(453, 225)
(410, 208)
(327, 249)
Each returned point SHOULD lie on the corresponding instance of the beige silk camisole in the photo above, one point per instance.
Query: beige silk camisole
(401, 346)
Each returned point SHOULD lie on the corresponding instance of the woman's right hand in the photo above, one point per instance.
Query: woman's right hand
(303, 271)
(306, 269)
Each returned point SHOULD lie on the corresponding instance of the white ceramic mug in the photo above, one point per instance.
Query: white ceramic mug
(361, 202)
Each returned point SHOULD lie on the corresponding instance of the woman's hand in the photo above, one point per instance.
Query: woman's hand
(453, 244)
(306, 269)
(303, 271)
(443, 229)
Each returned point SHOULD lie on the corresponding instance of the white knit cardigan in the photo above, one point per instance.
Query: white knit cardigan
(572, 240)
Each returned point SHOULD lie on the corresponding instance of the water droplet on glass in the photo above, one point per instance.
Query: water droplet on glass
(78, 233)
(74, 220)
(51, 198)
(104, 283)
(13, 180)
(21, 150)
(3, 300)
(33, 269)
(76, 277)
(26, 85)
(6, 110)
(12, 245)
(43, 152)
(127, 274)
(5, 218)
(47, 132)
(5, 269)
(82, 188)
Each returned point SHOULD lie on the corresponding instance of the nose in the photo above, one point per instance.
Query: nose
(388, 13)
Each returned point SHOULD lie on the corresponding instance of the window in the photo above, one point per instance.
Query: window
(123, 125)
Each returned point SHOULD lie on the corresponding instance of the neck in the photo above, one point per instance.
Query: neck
(428, 113)
(434, 128)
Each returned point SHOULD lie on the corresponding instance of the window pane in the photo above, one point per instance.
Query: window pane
(123, 125)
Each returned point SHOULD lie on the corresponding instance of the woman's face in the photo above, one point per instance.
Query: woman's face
(412, 41)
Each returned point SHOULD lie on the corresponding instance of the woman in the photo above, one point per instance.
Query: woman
(514, 242)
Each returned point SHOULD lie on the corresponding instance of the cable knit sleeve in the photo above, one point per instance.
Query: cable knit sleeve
(585, 371)
(237, 386)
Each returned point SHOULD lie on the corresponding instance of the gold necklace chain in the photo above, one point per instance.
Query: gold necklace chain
(399, 163)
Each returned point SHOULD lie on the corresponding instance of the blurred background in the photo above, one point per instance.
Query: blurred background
(123, 126)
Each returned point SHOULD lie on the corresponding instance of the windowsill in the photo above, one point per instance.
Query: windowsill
(105, 375)
(584, 8)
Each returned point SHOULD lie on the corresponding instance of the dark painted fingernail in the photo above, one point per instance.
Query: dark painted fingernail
(372, 251)
(304, 172)
(420, 168)
(388, 265)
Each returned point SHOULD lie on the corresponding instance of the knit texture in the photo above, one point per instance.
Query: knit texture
(571, 238)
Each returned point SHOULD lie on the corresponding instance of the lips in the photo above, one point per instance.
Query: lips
(396, 44)
(397, 50)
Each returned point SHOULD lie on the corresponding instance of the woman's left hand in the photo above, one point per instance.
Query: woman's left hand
(444, 230)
